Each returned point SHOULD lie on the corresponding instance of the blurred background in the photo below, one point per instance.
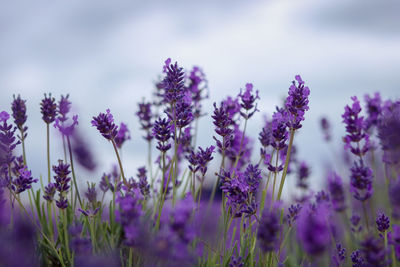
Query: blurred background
(108, 54)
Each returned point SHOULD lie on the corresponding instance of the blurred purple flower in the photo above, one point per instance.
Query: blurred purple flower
(122, 135)
(145, 118)
(64, 106)
(374, 109)
(303, 173)
(389, 133)
(326, 129)
(335, 187)
(382, 222)
(313, 230)
(361, 181)
(373, 251)
(64, 129)
(268, 231)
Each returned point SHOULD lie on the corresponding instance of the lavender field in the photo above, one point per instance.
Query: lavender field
(212, 133)
(167, 215)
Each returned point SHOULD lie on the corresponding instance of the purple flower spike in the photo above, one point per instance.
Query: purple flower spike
(64, 105)
(373, 252)
(303, 173)
(389, 133)
(335, 187)
(382, 222)
(64, 129)
(122, 135)
(18, 108)
(326, 129)
(293, 214)
(104, 122)
(268, 231)
(355, 129)
(49, 192)
(173, 83)
(145, 118)
(7, 141)
(222, 123)
(374, 109)
(357, 259)
(248, 101)
(143, 184)
(361, 181)
(297, 103)
(340, 255)
(23, 181)
(279, 129)
(162, 133)
(91, 193)
(48, 109)
(313, 229)
(62, 183)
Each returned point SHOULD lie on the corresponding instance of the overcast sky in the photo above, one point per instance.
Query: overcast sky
(107, 54)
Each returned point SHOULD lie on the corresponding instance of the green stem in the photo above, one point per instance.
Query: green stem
(48, 151)
(23, 144)
(73, 172)
(241, 144)
(65, 224)
(285, 168)
(365, 215)
(275, 173)
(119, 162)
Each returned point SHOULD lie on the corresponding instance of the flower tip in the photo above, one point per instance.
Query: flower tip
(4, 116)
(298, 78)
(249, 86)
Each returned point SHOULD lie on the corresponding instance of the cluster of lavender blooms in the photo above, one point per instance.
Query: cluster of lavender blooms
(215, 205)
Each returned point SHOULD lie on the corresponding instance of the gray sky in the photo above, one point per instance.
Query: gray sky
(107, 54)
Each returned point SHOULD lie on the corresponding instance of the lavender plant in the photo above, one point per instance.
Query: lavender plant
(214, 205)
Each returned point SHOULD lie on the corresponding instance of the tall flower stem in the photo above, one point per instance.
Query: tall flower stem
(23, 144)
(285, 168)
(161, 198)
(241, 145)
(65, 224)
(264, 192)
(73, 172)
(275, 173)
(48, 151)
(365, 215)
(220, 170)
(119, 162)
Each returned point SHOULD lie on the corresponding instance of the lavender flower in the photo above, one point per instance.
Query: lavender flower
(197, 85)
(49, 192)
(361, 181)
(173, 83)
(18, 108)
(382, 222)
(355, 220)
(355, 129)
(303, 173)
(64, 105)
(48, 109)
(82, 152)
(240, 147)
(279, 130)
(335, 187)
(357, 259)
(388, 133)
(373, 252)
(91, 193)
(340, 255)
(293, 214)
(200, 159)
(236, 261)
(222, 123)
(62, 183)
(248, 101)
(64, 129)
(162, 133)
(297, 103)
(394, 239)
(104, 123)
(122, 135)
(23, 181)
(145, 118)
(326, 129)
(143, 184)
(252, 176)
(268, 231)
(7, 140)
(313, 229)
(374, 109)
